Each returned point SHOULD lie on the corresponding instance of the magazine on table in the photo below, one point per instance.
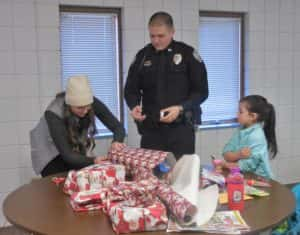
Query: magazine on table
(226, 222)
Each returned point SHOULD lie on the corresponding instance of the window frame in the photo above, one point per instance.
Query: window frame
(241, 17)
(118, 13)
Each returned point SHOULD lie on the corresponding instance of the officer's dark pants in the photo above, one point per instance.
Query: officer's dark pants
(176, 138)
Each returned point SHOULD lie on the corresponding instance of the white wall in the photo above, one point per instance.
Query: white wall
(30, 71)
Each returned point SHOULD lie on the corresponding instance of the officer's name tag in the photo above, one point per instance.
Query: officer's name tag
(147, 63)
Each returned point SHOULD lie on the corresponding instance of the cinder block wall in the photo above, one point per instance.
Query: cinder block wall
(30, 71)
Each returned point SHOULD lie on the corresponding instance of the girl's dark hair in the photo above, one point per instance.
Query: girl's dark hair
(81, 131)
(265, 114)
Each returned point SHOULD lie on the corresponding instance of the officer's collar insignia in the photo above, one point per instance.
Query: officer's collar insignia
(147, 63)
(197, 56)
(177, 58)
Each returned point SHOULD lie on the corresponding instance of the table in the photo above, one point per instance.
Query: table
(42, 208)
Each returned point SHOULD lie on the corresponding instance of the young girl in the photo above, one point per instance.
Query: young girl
(250, 145)
(64, 137)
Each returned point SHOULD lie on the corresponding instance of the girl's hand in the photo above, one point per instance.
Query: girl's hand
(245, 152)
(100, 159)
(218, 165)
(229, 165)
(223, 164)
(117, 145)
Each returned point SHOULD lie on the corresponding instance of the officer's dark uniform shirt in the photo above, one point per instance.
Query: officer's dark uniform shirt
(173, 76)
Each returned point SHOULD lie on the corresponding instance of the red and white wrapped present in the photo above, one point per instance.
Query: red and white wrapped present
(179, 206)
(94, 177)
(137, 219)
(131, 205)
(137, 157)
(183, 209)
(70, 185)
(126, 193)
(87, 200)
(132, 193)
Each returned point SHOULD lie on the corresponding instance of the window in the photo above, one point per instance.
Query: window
(221, 47)
(90, 45)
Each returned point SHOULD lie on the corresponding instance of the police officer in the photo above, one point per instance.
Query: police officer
(165, 86)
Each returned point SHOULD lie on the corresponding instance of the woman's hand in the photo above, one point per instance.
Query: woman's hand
(100, 159)
(117, 145)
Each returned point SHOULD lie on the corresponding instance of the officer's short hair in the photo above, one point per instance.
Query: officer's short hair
(161, 18)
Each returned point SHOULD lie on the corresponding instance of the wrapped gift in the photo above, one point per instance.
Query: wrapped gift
(183, 209)
(137, 157)
(87, 200)
(179, 206)
(70, 185)
(82, 179)
(131, 205)
(126, 193)
(137, 219)
(140, 173)
(94, 177)
(104, 174)
(83, 208)
(132, 193)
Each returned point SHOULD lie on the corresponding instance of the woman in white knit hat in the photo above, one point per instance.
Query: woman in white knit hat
(64, 137)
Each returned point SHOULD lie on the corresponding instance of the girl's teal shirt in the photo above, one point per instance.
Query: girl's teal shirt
(254, 138)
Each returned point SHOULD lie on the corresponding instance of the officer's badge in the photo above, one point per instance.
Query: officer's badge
(197, 56)
(177, 58)
(147, 63)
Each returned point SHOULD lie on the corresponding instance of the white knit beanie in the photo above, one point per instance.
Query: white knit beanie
(78, 91)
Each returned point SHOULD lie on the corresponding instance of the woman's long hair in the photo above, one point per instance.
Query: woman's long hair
(265, 114)
(80, 131)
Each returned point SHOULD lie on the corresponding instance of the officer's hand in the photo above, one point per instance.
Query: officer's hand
(169, 114)
(136, 113)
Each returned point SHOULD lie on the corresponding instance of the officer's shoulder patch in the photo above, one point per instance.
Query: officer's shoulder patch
(197, 56)
(133, 61)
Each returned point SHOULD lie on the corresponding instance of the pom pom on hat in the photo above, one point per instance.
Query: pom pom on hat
(78, 91)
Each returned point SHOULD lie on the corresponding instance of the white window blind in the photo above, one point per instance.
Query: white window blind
(219, 46)
(89, 45)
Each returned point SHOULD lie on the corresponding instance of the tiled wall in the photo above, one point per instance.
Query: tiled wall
(30, 71)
